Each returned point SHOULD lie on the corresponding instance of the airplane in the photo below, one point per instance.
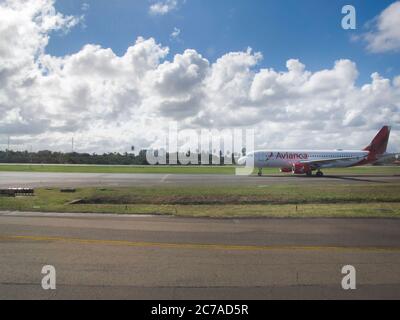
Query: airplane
(306, 161)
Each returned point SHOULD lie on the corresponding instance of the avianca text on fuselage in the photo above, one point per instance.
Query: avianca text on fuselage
(289, 156)
(307, 161)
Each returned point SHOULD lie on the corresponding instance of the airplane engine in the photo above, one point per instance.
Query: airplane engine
(299, 168)
(286, 170)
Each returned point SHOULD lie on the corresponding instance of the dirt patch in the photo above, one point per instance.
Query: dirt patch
(183, 200)
(206, 200)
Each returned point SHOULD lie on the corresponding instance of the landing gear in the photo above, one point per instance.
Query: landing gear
(260, 172)
(320, 173)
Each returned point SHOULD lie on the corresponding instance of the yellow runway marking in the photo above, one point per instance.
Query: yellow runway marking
(196, 246)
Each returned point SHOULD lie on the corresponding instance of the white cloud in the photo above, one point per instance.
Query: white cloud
(110, 102)
(385, 35)
(163, 7)
(175, 34)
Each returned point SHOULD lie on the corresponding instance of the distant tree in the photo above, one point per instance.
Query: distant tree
(114, 158)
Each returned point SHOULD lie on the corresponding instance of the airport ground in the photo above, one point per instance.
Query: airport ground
(138, 257)
(251, 254)
(189, 170)
(349, 194)
(228, 201)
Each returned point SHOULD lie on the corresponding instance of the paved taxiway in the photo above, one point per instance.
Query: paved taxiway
(29, 179)
(138, 257)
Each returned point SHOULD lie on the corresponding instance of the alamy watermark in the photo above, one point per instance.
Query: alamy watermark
(49, 280)
(349, 21)
(349, 280)
(204, 147)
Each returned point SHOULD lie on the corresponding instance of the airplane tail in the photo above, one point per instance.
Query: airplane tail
(380, 142)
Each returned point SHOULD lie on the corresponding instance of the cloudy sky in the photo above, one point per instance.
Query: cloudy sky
(113, 74)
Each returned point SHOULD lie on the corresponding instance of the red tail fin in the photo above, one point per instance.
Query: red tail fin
(380, 142)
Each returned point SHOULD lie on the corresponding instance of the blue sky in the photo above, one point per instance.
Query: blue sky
(308, 30)
(110, 103)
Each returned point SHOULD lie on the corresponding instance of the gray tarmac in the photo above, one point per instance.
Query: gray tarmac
(147, 257)
(35, 180)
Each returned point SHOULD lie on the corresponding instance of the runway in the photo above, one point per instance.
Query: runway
(139, 257)
(35, 180)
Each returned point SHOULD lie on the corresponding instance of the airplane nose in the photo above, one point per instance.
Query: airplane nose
(242, 161)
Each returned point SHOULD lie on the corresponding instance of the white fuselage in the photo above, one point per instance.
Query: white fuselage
(286, 158)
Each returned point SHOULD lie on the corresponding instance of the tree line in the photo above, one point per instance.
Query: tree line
(50, 157)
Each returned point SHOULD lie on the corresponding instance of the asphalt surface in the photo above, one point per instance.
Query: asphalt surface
(137, 257)
(35, 180)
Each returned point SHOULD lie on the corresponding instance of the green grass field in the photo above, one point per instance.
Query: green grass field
(177, 169)
(120, 169)
(370, 200)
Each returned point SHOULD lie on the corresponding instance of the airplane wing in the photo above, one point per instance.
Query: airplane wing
(389, 155)
(315, 164)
